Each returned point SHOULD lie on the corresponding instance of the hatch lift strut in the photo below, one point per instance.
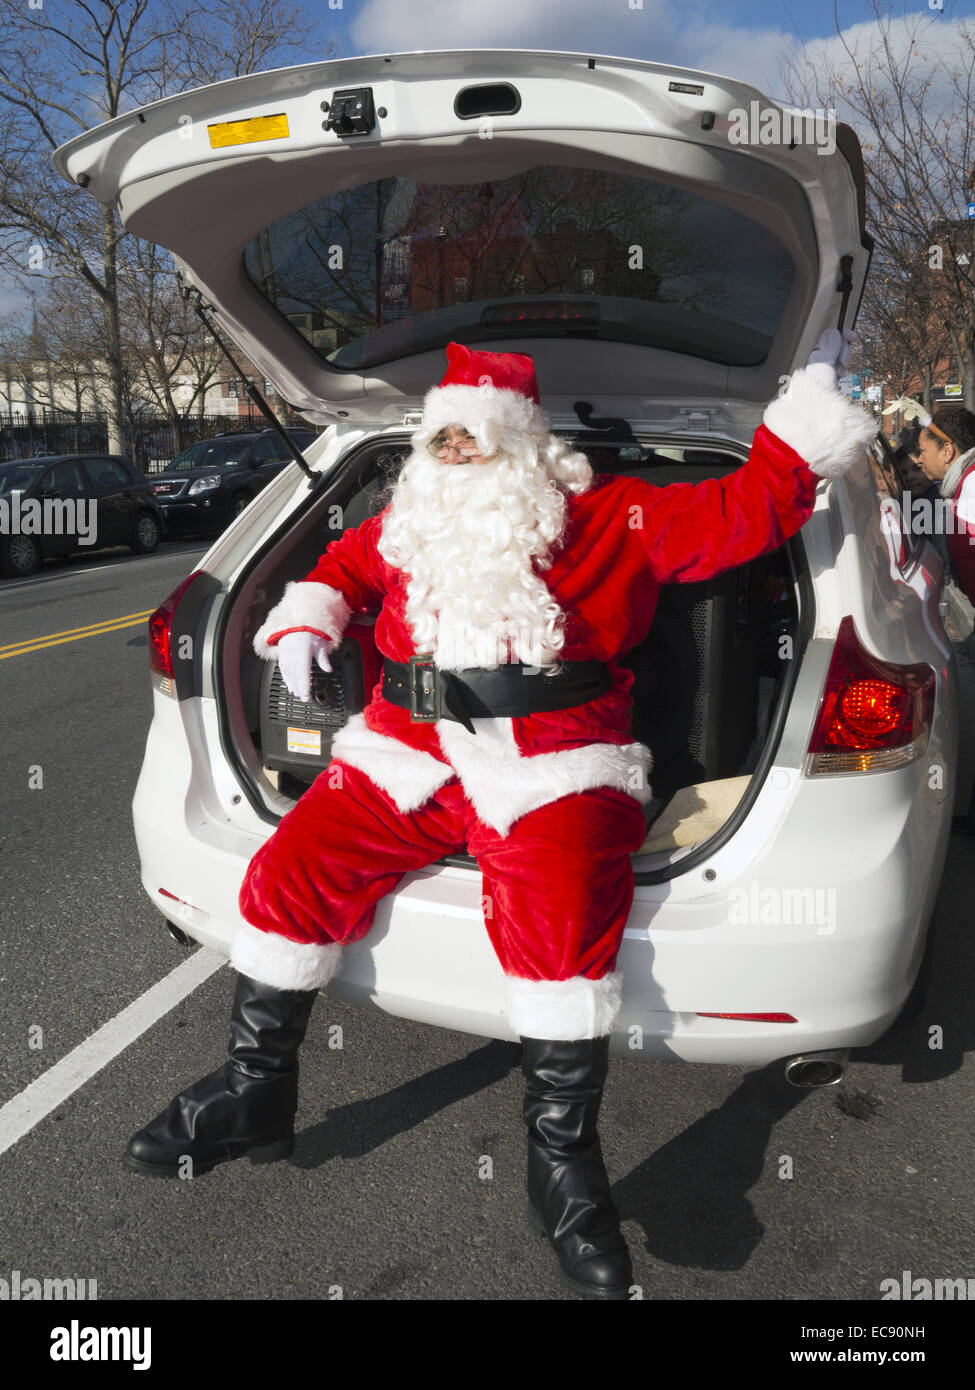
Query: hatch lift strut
(249, 386)
(845, 286)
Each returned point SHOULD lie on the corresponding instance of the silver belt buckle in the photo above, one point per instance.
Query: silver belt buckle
(422, 669)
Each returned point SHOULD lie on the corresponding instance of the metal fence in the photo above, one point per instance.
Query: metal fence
(154, 443)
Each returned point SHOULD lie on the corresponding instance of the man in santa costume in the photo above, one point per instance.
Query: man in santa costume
(510, 580)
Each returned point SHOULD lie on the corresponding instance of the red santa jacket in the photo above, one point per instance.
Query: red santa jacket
(624, 538)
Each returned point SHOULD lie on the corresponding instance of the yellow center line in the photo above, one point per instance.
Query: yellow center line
(55, 639)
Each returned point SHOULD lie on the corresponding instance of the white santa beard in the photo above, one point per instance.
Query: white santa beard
(468, 535)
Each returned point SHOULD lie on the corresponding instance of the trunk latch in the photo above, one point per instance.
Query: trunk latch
(352, 112)
(695, 419)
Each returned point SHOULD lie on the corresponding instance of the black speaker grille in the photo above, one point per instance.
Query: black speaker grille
(325, 710)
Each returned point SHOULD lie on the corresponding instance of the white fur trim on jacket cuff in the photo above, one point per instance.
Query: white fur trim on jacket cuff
(822, 425)
(563, 1010)
(304, 605)
(407, 774)
(283, 964)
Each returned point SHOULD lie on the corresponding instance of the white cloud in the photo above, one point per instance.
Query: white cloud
(748, 55)
(651, 33)
(768, 59)
(566, 26)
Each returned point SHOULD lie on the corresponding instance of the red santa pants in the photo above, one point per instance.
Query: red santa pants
(557, 888)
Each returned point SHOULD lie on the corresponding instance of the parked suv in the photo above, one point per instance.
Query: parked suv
(91, 501)
(213, 480)
(664, 280)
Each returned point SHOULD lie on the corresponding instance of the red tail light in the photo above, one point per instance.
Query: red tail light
(874, 715)
(160, 629)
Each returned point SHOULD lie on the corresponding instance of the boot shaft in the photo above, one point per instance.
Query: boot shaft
(267, 1026)
(563, 1090)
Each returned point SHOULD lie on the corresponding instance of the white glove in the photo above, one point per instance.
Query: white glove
(295, 652)
(913, 410)
(833, 347)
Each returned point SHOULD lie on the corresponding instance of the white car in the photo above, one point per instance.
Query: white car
(343, 221)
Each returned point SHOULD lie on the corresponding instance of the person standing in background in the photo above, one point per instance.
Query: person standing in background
(946, 453)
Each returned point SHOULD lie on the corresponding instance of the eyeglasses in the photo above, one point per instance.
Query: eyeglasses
(466, 446)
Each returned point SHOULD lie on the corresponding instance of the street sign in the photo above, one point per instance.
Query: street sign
(851, 385)
(971, 209)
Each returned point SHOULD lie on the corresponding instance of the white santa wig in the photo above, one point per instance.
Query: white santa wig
(471, 536)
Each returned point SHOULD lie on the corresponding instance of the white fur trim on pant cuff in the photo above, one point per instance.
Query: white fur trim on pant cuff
(305, 605)
(563, 1010)
(284, 964)
(825, 428)
(504, 785)
(409, 775)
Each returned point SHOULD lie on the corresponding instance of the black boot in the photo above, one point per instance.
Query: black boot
(568, 1191)
(246, 1107)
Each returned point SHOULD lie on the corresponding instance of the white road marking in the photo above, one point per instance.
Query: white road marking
(10, 586)
(19, 1116)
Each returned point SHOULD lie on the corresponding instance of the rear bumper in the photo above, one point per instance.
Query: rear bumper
(832, 937)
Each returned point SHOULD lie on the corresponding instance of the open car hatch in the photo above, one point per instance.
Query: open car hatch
(346, 219)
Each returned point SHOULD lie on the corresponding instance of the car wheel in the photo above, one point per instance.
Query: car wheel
(146, 537)
(240, 503)
(19, 555)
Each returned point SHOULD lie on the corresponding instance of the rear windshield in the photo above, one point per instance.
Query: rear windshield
(397, 267)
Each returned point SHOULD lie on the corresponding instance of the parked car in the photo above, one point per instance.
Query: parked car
(664, 281)
(83, 502)
(213, 480)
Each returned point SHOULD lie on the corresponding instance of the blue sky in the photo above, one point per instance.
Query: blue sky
(751, 41)
(743, 38)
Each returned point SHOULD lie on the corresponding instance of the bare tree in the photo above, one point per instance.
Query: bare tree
(168, 346)
(902, 333)
(65, 70)
(908, 88)
(16, 364)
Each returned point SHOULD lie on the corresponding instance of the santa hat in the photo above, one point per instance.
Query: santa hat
(492, 394)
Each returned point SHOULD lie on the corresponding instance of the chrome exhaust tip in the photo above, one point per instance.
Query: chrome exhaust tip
(178, 936)
(813, 1069)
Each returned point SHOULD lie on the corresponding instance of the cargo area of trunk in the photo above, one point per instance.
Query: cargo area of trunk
(708, 677)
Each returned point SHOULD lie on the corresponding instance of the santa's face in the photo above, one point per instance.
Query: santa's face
(455, 445)
(476, 542)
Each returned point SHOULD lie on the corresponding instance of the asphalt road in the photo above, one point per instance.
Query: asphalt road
(386, 1197)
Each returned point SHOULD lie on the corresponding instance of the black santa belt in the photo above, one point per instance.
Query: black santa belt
(504, 692)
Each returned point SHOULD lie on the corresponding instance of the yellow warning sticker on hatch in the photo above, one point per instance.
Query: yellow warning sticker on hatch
(304, 740)
(246, 132)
